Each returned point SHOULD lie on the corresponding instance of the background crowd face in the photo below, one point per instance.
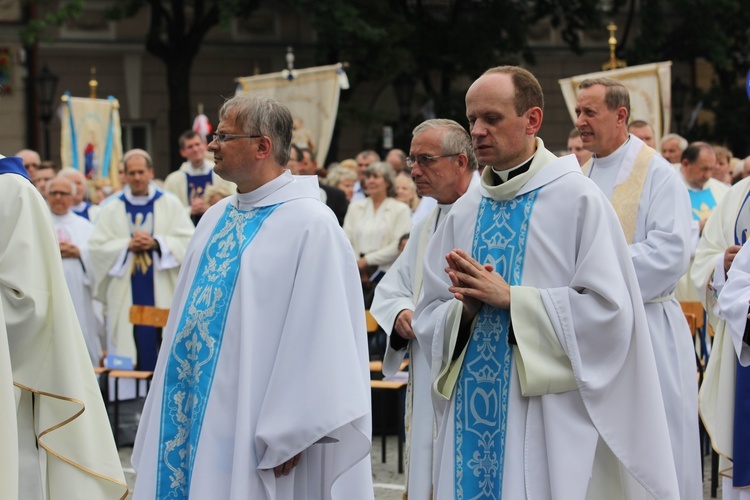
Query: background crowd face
(139, 175)
(575, 147)
(670, 150)
(697, 174)
(193, 150)
(499, 135)
(60, 196)
(601, 129)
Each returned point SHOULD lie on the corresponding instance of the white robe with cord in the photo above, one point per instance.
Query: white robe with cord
(292, 374)
(112, 262)
(586, 417)
(660, 252)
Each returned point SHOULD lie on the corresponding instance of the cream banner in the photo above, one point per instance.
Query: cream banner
(650, 93)
(312, 95)
(91, 137)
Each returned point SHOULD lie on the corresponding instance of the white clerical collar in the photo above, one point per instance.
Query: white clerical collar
(81, 206)
(614, 158)
(245, 201)
(505, 174)
(140, 200)
(202, 170)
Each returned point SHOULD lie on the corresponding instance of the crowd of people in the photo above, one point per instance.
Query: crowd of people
(536, 295)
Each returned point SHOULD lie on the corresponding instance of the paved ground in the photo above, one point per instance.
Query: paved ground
(388, 482)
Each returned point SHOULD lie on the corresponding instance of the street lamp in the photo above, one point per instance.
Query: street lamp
(46, 84)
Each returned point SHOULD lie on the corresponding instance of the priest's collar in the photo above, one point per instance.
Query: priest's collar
(614, 158)
(246, 201)
(202, 170)
(522, 167)
(140, 200)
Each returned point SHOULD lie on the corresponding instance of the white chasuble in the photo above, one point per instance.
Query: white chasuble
(55, 438)
(284, 372)
(584, 415)
(660, 252)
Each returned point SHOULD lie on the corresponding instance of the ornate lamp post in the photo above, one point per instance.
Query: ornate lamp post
(46, 84)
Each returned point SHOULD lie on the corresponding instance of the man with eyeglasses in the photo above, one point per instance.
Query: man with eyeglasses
(266, 342)
(442, 163)
(55, 434)
(73, 235)
(137, 247)
(194, 176)
(544, 380)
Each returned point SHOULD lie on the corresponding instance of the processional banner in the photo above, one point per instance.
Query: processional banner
(650, 87)
(312, 95)
(91, 136)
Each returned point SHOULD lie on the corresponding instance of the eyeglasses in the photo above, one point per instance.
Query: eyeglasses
(59, 193)
(425, 160)
(220, 138)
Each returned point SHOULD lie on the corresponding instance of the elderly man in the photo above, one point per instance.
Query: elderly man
(723, 397)
(136, 249)
(442, 164)
(543, 370)
(81, 207)
(397, 159)
(698, 162)
(653, 208)
(190, 182)
(643, 130)
(672, 146)
(575, 147)
(271, 335)
(55, 437)
(73, 235)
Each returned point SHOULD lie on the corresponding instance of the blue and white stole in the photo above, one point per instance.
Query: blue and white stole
(141, 218)
(481, 409)
(741, 437)
(703, 203)
(85, 212)
(197, 343)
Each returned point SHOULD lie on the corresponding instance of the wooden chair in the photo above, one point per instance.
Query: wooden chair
(139, 316)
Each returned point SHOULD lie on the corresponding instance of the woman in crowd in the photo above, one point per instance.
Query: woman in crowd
(406, 191)
(342, 178)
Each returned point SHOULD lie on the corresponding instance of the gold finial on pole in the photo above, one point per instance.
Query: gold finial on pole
(93, 83)
(613, 62)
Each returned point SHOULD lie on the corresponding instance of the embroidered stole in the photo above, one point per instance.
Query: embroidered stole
(702, 203)
(197, 343)
(147, 341)
(196, 188)
(481, 404)
(627, 195)
(740, 472)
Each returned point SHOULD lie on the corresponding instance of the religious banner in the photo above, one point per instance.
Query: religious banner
(312, 95)
(650, 93)
(91, 137)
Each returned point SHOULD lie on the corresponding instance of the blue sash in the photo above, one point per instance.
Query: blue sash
(481, 410)
(703, 203)
(13, 165)
(195, 350)
(85, 212)
(147, 341)
(741, 435)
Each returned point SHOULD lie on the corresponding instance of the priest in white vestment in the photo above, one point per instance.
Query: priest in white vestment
(698, 163)
(138, 243)
(194, 176)
(81, 206)
(653, 208)
(545, 383)
(55, 437)
(262, 386)
(442, 164)
(73, 234)
(722, 399)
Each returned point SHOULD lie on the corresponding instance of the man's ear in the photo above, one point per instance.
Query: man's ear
(534, 115)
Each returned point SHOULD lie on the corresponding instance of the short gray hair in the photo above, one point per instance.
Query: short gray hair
(338, 174)
(455, 138)
(682, 143)
(264, 115)
(61, 176)
(384, 170)
(616, 95)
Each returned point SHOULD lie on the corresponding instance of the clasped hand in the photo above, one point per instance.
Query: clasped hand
(475, 284)
(141, 241)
